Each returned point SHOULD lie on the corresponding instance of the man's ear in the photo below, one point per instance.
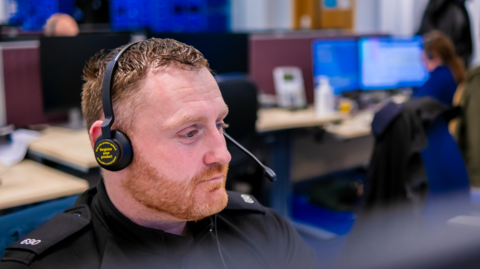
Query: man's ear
(95, 132)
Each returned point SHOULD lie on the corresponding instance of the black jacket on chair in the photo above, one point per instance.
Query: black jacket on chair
(400, 135)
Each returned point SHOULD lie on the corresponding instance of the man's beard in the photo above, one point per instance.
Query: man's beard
(177, 197)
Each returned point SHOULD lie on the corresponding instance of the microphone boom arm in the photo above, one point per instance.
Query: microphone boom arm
(267, 171)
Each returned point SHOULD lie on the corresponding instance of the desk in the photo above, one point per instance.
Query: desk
(275, 119)
(352, 127)
(30, 182)
(65, 146)
(277, 124)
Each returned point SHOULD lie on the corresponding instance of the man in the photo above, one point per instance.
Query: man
(169, 207)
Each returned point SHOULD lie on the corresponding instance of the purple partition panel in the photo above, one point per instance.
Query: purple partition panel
(267, 54)
(268, 51)
(22, 84)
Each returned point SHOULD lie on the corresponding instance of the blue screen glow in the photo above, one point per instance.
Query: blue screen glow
(337, 60)
(387, 63)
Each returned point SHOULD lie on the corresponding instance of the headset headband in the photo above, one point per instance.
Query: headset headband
(106, 92)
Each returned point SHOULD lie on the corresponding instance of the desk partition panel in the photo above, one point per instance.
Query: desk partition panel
(268, 51)
(20, 84)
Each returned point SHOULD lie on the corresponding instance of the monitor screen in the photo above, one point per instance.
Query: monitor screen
(337, 60)
(62, 60)
(390, 62)
(225, 52)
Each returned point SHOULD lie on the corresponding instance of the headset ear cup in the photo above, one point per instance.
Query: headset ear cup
(113, 154)
(126, 149)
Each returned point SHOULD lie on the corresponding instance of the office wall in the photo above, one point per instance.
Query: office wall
(419, 7)
(4, 6)
(403, 17)
(282, 14)
(397, 17)
(400, 17)
(258, 15)
(473, 7)
(366, 16)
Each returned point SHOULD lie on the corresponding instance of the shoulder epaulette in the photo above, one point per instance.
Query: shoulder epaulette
(238, 201)
(49, 234)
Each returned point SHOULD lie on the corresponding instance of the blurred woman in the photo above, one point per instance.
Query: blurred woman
(446, 68)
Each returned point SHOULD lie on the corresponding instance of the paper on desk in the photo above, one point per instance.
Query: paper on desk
(15, 152)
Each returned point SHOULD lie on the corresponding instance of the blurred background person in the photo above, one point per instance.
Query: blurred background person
(450, 17)
(61, 25)
(445, 66)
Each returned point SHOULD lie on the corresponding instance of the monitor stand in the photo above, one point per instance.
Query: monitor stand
(75, 119)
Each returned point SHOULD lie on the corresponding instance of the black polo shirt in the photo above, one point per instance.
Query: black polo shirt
(94, 234)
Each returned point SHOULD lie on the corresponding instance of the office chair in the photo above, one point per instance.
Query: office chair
(240, 95)
(15, 225)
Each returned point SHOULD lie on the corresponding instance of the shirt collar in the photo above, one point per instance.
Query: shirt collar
(123, 229)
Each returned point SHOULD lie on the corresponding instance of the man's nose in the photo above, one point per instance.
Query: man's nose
(217, 149)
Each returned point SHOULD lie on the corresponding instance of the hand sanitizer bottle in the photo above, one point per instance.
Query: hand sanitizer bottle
(324, 98)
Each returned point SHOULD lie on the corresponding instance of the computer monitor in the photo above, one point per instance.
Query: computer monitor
(337, 60)
(62, 60)
(225, 52)
(391, 62)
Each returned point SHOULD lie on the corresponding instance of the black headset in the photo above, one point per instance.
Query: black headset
(113, 149)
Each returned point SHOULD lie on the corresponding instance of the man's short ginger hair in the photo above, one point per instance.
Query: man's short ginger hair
(133, 67)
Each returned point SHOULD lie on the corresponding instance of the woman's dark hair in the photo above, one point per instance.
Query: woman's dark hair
(438, 44)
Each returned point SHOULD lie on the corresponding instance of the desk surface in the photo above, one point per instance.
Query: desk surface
(31, 182)
(353, 127)
(72, 147)
(275, 119)
(65, 146)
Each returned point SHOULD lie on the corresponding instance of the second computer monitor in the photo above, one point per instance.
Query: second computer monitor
(336, 59)
(62, 60)
(390, 62)
(225, 52)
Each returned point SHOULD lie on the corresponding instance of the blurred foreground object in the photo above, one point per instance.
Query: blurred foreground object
(433, 235)
(61, 25)
(468, 126)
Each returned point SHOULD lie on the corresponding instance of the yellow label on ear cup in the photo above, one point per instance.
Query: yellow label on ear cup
(106, 153)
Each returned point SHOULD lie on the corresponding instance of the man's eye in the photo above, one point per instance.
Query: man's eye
(191, 134)
(222, 126)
